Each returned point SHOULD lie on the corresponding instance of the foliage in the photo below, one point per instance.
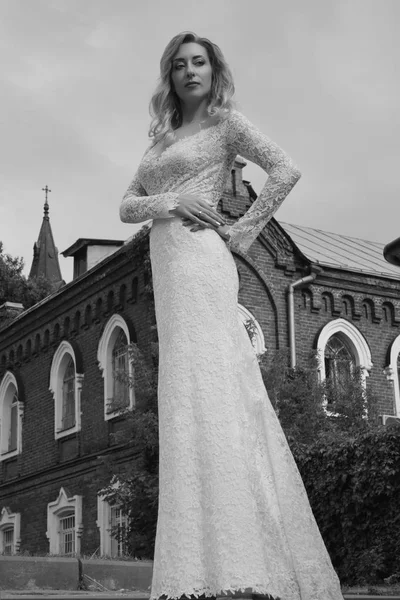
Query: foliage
(15, 287)
(353, 485)
(134, 487)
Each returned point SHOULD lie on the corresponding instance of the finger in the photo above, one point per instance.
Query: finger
(212, 217)
(212, 212)
(203, 223)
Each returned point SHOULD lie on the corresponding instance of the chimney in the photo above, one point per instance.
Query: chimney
(89, 252)
(238, 187)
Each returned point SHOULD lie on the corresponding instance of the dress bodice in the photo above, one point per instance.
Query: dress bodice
(200, 164)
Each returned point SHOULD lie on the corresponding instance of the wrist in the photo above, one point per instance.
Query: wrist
(224, 231)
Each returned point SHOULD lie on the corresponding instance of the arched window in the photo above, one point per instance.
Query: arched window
(120, 368)
(67, 532)
(117, 369)
(253, 329)
(13, 433)
(66, 379)
(112, 523)
(118, 526)
(64, 524)
(10, 528)
(393, 372)
(398, 368)
(68, 396)
(11, 411)
(338, 341)
(339, 361)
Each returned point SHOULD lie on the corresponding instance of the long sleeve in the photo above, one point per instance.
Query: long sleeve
(137, 206)
(246, 140)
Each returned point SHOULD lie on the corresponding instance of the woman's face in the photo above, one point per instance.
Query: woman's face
(191, 73)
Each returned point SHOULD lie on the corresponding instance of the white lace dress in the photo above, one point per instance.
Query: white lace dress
(233, 511)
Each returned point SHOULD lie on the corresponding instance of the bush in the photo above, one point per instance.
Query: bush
(354, 488)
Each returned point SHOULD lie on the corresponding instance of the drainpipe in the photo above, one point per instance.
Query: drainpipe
(315, 270)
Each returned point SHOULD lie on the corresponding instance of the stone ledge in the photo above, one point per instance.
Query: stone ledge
(119, 575)
(35, 573)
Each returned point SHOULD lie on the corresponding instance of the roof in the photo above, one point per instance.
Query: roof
(340, 251)
(84, 242)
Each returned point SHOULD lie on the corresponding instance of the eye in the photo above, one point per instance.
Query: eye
(178, 66)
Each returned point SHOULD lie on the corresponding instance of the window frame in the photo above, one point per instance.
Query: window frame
(392, 373)
(105, 362)
(104, 524)
(59, 365)
(355, 340)
(61, 508)
(7, 402)
(64, 517)
(10, 520)
(258, 341)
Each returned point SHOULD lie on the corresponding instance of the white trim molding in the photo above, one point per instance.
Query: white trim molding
(105, 361)
(104, 524)
(55, 511)
(354, 338)
(258, 340)
(8, 520)
(58, 366)
(8, 389)
(392, 373)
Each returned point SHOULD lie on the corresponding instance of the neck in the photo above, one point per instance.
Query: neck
(194, 113)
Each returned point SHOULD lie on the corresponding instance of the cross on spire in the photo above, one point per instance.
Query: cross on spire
(46, 204)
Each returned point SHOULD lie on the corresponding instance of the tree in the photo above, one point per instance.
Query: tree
(15, 287)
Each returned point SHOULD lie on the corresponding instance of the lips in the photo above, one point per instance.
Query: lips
(192, 84)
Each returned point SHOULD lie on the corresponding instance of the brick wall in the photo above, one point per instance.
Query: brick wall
(31, 480)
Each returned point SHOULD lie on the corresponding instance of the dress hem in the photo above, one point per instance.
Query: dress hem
(248, 592)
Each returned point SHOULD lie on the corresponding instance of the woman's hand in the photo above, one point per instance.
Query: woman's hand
(197, 211)
(223, 230)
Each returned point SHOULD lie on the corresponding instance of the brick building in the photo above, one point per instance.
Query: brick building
(304, 289)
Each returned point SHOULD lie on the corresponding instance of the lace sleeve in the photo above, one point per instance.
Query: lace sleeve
(246, 140)
(137, 206)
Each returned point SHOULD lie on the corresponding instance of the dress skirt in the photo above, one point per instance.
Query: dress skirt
(233, 512)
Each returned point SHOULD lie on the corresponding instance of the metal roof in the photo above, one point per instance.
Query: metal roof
(340, 251)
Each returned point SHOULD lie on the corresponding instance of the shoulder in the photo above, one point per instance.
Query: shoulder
(237, 126)
(238, 123)
(236, 117)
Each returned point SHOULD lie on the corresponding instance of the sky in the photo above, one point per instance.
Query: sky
(319, 77)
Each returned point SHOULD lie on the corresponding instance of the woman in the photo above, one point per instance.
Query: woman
(233, 512)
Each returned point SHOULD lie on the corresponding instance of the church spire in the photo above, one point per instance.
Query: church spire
(45, 254)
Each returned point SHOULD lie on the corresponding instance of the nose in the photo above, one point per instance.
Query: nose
(190, 72)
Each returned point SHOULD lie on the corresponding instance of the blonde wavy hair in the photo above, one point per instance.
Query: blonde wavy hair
(165, 105)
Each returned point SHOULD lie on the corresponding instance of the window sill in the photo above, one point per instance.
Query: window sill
(9, 454)
(61, 433)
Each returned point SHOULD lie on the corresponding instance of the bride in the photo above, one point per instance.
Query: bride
(233, 513)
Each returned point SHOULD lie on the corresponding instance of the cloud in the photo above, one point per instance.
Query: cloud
(318, 78)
